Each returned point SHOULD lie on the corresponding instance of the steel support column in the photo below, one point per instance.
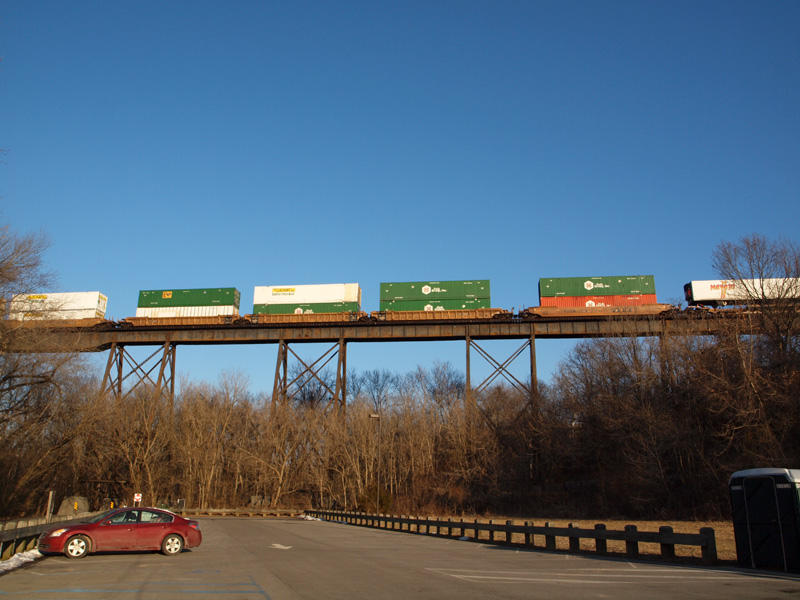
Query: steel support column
(141, 372)
(279, 387)
(534, 377)
(284, 390)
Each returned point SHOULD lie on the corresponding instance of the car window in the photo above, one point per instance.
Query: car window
(150, 516)
(126, 516)
(101, 517)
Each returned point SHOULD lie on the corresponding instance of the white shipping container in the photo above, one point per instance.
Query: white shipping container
(170, 312)
(307, 294)
(727, 291)
(62, 305)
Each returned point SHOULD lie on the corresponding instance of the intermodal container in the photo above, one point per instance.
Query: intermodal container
(433, 304)
(303, 309)
(721, 292)
(598, 301)
(60, 305)
(172, 312)
(185, 298)
(625, 285)
(421, 290)
(307, 294)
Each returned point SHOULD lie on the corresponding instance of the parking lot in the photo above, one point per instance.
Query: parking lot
(285, 559)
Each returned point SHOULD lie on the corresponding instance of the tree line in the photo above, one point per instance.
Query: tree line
(647, 427)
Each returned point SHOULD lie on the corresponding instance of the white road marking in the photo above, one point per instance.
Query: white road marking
(586, 576)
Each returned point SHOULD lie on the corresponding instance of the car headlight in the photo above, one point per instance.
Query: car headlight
(57, 532)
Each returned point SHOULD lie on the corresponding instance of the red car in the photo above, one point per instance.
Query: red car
(124, 529)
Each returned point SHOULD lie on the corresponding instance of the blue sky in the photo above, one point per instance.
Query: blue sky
(210, 144)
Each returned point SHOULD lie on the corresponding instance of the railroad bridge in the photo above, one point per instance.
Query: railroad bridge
(158, 369)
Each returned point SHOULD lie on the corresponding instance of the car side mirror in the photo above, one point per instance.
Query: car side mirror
(106, 522)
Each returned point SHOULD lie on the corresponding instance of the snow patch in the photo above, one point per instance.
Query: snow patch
(310, 518)
(18, 560)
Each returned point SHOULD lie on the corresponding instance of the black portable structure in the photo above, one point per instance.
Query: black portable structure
(766, 518)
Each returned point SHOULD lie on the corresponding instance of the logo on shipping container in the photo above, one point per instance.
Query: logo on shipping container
(428, 308)
(590, 303)
(588, 285)
(426, 289)
(167, 294)
(287, 291)
(298, 311)
(723, 287)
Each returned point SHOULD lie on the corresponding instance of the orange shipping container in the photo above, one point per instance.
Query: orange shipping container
(593, 301)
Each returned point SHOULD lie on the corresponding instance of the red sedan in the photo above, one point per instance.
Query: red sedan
(124, 529)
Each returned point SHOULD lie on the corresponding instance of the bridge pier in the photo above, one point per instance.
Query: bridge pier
(501, 369)
(284, 390)
(119, 357)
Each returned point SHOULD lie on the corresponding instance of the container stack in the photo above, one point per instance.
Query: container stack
(435, 295)
(62, 305)
(201, 302)
(306, 299)
(588, 292)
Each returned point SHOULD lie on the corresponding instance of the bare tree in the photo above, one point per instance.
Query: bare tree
(769, 274)
(378, 384)
(21, 263)
(32, 384)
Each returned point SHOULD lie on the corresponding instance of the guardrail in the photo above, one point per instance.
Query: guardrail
(239, 512)
(632, 537)
(22, 535)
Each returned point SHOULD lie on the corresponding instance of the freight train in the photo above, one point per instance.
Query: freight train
(573, 297)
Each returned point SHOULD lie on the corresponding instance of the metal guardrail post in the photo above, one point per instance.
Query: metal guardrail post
(631, 541)
(667, 549)
(549, 539)
(709, 549)
(600, 543)
(574, 541)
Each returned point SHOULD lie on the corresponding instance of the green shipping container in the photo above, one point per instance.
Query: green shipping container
(421, 290)
(436, 304)
(625, 285)
(195, 297)
(317, 307)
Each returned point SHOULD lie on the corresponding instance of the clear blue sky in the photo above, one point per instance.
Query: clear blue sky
(211, 144)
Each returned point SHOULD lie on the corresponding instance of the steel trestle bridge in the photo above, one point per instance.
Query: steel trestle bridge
(158, 369)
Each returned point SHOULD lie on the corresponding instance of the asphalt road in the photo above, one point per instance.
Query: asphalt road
(292, 559)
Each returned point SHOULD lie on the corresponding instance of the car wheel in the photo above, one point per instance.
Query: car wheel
(77, 546)
(172, 544)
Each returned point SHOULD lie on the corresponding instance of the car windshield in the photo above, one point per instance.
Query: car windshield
(101, 516)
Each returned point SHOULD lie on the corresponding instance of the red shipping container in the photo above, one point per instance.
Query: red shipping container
(590, 301)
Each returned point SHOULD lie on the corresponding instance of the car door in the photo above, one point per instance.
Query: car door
(152, 528)
(118, 532)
